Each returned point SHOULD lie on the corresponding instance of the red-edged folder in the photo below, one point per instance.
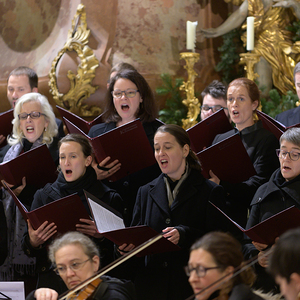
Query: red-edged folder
(268, 230)
(5, 123)
(84, 125)
(273, 125)
(109, 224)
(65, 212)
(36, 165)
(228, 160)
(127, 143)
(203, 133)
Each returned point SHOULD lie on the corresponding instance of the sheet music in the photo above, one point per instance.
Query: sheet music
(12, 289)
(105, 219)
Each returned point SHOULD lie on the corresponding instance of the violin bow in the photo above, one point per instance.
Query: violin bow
(111, 266)
(235, 272)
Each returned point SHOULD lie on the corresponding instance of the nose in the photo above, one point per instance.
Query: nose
(15, 95)
(69, 272)
(193, 276)
(123, 94)
(66, 161)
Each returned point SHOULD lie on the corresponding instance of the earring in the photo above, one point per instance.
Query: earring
(45, 129)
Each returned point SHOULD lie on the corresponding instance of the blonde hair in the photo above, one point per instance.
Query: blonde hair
(47, 110)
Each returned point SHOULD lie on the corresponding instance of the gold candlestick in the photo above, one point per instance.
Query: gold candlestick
(250, 59)
(188, 86)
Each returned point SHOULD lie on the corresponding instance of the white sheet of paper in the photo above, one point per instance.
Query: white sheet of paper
(13, 289)
(105, 220)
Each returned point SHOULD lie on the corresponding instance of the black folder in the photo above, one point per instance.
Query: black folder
(6, 123)
(203, 133)
(135, 235)
(84, 125)
(65, 212)
(268, 230)
(228, 160)
(36, 165)
(127, 143)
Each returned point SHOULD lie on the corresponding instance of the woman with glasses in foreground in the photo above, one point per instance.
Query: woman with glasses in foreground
(280, 192)
(33, 125)
(214, 260)
(128, 97)
(76, 258)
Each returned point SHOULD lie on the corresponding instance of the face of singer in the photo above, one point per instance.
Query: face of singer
(33, 128)
(72, 161)
(171, 157)
(126, 107)
(200, 257)
(73, 253)
(240, 106)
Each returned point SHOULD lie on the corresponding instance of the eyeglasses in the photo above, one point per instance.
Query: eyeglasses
(130, 93)
(32, 115)
(214, 108)
(200, 270)
(75, 266)
(292, 154)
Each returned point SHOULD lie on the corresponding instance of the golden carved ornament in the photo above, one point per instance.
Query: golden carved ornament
(80, 83)
(250, 59)
(188, 86)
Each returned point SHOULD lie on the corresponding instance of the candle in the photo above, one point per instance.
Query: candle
(250, 33)
(191, 35)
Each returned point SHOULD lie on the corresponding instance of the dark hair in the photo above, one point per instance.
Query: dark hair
(81, 140)
(32, 76)
(296, 69)
(292, 135)
(182, 139)
(285, 258)
(216, 89)
(252, 88)
(226, 251)
(121, 67)
(148, 110)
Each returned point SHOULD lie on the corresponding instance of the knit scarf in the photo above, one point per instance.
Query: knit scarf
(17, 260)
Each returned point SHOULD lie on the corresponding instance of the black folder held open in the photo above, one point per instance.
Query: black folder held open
(268, 230)
(5, 123)
(110, 224)
(127, 143)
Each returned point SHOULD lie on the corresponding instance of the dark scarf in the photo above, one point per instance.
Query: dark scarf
(86, 182)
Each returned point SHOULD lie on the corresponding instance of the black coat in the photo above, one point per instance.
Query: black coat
(55, 191)
(260, 145)
(289, 117)
(161, 276)
(270, 199)
(109, 289)
(3, 235)
(128, 186)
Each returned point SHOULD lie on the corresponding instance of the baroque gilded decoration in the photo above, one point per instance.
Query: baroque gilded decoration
(81, 83)
(188, 86)
(249, 59)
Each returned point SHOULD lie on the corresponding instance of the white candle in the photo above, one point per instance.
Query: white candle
(191, 35)
(250, 33)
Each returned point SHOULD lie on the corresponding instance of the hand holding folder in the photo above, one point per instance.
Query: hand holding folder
(110, 224)
(268, 230)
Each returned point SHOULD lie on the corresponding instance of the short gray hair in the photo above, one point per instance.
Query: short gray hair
(292, 135)
(296, 69)
(76, 238)
(52, 130)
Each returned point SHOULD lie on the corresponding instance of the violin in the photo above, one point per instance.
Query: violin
(229, 276)
(85, 289)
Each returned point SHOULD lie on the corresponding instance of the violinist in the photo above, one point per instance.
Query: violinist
(213, 260)
(76, 258)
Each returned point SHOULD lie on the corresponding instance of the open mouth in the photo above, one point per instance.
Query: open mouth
(163, 162)
(29, 129)
(235, 113)
(125, 107)
(68, 172)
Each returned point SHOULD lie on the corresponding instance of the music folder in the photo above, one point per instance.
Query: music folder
(65, 212)
(110, 224)
(268, 230)
(273, 125)
(127, 143)
(36, 165)
(228, 160)
(6, 123)
(203, 133)
(84, 125)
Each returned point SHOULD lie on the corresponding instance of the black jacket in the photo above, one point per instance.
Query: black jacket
(128, 186)
(260, 145)
(289, 117)
(161, 276)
